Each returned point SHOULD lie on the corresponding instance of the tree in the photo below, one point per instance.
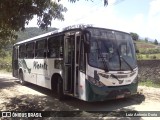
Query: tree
(146, 40)
(135, 36)
(14, 14)
(155, 42)
(3, 54)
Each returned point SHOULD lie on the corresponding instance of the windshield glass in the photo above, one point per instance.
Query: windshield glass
(111, 49)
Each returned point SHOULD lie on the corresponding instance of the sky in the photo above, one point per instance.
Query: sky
(139, 16)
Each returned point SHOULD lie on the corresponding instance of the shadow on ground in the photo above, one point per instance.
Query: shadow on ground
(6, 83)
(94, 109)
(108, 105)
(75, 107)
(61, 109)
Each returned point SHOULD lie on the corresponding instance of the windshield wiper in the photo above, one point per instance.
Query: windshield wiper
(119, 59)
(124, 61)
(127, 63)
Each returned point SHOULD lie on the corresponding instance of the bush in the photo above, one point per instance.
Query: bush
(6, 62)
(139, 56)
(5, 66)
(153, 51)
(147, 56)
(153, 57)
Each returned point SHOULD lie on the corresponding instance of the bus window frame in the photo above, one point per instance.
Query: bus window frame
(60, 39)
(23, 52)
(37, 50)
(82, 51)
(30, 50)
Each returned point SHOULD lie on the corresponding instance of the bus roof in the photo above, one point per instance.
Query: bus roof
(36, 37)
(79, 26)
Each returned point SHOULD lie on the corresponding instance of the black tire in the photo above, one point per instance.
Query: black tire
(21, 79)
(60, 93)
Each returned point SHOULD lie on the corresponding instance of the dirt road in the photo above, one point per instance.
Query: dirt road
(14, 97)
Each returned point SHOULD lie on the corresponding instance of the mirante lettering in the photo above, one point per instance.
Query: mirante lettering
(37, 65)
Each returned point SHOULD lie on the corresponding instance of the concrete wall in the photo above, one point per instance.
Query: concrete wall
(149, 70)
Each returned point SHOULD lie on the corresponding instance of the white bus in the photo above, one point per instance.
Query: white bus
(89, 63)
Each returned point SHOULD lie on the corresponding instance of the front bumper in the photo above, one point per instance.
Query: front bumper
(94, 93)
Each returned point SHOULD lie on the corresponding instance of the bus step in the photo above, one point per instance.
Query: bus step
(68, 93)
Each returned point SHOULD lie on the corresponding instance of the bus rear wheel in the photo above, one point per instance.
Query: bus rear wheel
(21, 79)
(60, 93)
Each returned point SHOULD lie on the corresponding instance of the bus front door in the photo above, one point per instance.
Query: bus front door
(71, 54)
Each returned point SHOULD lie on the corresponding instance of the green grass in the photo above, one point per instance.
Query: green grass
(149, 83)
(147, 51)
(148, 56)
(145, 43)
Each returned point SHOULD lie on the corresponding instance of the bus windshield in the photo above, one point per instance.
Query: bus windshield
(111, 49)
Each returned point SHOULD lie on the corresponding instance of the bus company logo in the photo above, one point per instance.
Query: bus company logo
(23, 64)
(6, 114)
(37, 65)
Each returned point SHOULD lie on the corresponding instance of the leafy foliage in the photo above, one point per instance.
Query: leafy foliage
(14, 14)
(5, 60)
(146, 40)
(155, 42)
(135, 36)
(31, 32)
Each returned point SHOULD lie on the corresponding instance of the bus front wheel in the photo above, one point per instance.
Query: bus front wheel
(21, 79)
(60, 93)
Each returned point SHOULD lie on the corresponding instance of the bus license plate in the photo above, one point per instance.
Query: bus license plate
(120, 96)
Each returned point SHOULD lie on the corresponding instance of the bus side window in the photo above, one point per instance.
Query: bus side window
(30, 50)
(40, 49)
(22, 51)
(55, 47)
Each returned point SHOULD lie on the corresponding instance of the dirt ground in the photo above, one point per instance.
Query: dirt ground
(14, 97)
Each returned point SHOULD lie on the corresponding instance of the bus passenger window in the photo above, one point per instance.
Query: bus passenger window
(22, 51)
(40, 51)
(29, 50)
(55, 47)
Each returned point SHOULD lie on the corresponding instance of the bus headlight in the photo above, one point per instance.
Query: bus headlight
(95, 82)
